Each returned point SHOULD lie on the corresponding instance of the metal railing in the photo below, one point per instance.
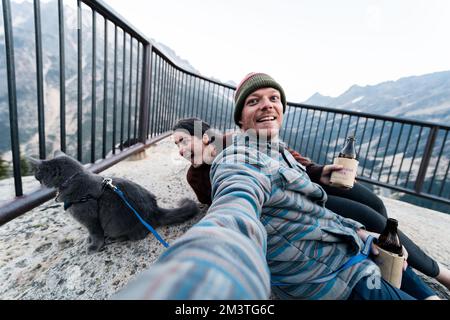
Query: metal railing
(399, 154)
(143, 92)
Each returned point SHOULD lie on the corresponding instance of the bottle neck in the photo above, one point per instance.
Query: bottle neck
(349, 149)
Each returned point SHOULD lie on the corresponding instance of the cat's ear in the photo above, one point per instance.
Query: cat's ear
(34, 162)
(58, 153)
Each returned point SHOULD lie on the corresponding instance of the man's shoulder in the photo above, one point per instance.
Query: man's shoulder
(241, 152)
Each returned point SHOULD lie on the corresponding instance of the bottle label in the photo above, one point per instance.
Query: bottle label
(391, 266)
(346, 176)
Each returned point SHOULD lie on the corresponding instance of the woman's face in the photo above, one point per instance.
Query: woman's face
(263, 112)
(189, 147)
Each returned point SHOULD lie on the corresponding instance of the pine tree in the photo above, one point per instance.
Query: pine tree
(24, 167)
(3, 169)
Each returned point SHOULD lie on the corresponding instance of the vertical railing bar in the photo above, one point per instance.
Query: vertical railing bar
(178, 97)
(152, 106)
(202, 111)
(368, 147)
(208, 119)
(62, 77)
(175, 100)
(94, 84)
(414, 156)
(130, 86)
(185, 94)
(198, 96)
(171, 98)
(160, 89)
(80, 85)
(230, 109)
(445, 179)
(303, 136)
(201, 94)
(205, 97)
(188, 94)
(404, 154)
(386, 150)
(12, 97)
(294, 146)
(191, 94)
(138, 48)
(337, 136)
(176, 104)
(160, 114)
(395, 151)
(329, 140)
(105, 88)
(146, 93)
(378, 146)
(155, 94)
(362, 138)
(225, 103)
(122, 110)
(181, 95)
(317, 133)
(321, 144)
(348, 127)
(216, 102)
(215, 105)
(426, 158)
(356, 127)
(166, 98)
(438, 160)
(292, 124)
(115, 90)
(39, 79)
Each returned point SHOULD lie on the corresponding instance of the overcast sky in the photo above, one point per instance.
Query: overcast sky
(307, 45)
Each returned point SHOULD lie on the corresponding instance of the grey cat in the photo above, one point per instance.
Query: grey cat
(99, 209)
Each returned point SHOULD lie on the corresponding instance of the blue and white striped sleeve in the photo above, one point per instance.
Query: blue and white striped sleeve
(223, 255)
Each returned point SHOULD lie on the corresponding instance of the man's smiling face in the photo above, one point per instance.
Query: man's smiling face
(263, 112)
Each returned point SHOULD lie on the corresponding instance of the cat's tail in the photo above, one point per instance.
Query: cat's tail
(186, 210)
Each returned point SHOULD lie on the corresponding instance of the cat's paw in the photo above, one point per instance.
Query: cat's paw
(95, 247)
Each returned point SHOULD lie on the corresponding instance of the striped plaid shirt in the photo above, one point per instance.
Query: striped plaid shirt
(267, 223)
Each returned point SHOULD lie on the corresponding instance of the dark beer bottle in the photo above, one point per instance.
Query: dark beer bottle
(389, 239)
(345, 178)
(349, 149)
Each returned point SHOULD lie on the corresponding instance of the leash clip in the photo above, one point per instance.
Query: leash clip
(107, 182)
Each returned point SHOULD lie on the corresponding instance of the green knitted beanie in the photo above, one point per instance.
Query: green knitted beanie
(252, 82)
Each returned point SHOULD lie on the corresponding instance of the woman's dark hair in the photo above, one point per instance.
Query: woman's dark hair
(188, 124)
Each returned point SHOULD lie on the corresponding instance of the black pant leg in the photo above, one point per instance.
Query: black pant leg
(361, 194)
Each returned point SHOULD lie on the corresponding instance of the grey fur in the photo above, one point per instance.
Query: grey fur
(106, 216)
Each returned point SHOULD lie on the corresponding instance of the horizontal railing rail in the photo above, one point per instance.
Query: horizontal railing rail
(119, 92)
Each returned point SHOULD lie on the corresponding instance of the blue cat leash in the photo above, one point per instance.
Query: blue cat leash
(107, 182)
(364, 254)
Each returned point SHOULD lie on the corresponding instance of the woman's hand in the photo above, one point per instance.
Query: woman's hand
(326, 172)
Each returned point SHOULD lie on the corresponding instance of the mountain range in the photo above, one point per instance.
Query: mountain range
(425, 97)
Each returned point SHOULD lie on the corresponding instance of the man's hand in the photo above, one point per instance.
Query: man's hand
(363, 234)
(326, 172)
